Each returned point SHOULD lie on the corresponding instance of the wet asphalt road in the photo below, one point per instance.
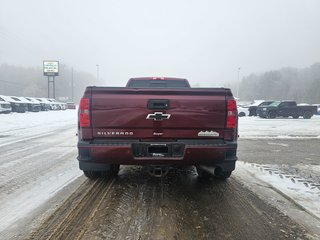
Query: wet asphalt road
(137, 206)
(296, 156)
(280, 151)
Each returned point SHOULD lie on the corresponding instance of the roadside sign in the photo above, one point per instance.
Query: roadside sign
(51, 68)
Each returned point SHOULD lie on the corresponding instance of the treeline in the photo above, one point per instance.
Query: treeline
(301, 85)
(30, 82)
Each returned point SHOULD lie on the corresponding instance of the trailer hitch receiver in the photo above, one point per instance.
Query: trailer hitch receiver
(158, 171)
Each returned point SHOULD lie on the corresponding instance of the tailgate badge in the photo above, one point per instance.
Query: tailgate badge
(208, 134)
(157, 134)
(158, 116)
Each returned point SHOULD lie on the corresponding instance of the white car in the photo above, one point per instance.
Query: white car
(54, 105)
(58, 105)
(63, 106)
(243, 111)
(46, 103)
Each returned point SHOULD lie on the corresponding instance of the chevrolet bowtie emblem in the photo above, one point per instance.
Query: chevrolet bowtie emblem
(158, 116)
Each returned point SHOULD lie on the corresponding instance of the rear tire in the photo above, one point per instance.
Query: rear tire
(114, 169)
(272, 115)
(92, 174)
(295, 116)
(242, 114)
(222, 175)
(307, 115)
(112, 172)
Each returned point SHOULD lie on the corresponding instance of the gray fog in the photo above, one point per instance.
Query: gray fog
(204, 41)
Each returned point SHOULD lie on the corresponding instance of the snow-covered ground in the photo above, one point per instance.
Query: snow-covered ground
(256, 127)
(37, 160)
(23, 126)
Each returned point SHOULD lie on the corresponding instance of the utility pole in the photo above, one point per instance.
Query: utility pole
(97, 73)
(72, 86)
(238, 82)
(48, 87)
(54, 88)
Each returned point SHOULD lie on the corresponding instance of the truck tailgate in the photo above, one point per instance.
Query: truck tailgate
(123, 112)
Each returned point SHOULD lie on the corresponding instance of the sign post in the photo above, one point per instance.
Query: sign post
(51, 69)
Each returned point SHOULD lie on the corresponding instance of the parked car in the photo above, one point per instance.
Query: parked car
(318, 108)
(53, 104)
(16, 104)
(63, 106)
(24, 101)
(243, 111)
(44, 103)
(58, 105)
(286, 109)
(71, 105)
(33, 105)
(5, 107)
(254, 107)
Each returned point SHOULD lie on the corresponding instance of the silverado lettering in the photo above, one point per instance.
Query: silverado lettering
(114, 133)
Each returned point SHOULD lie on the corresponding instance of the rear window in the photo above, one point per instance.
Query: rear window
(275, 104)
(265, 103)
(158, 84)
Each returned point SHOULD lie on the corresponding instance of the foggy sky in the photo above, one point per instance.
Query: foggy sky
(204, 41)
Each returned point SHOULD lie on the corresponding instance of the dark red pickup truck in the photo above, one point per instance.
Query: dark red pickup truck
(158, 122)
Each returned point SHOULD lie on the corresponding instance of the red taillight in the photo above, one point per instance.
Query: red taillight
(84, 104)
(232, 115)
(84, 109)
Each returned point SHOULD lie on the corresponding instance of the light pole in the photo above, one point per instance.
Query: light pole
(238, 82)
(72, 90)
(97, 73)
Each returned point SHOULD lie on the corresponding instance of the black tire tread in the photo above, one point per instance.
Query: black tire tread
(92, 174)
(307, 115)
